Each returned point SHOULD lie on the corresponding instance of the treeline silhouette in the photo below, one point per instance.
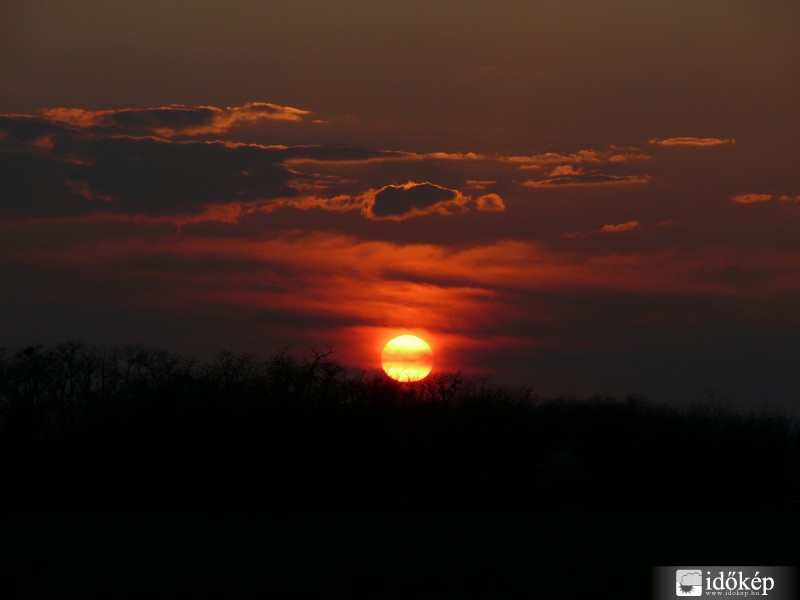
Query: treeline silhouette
(139, 428)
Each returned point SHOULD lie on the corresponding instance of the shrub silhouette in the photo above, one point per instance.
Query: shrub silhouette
(139, 428)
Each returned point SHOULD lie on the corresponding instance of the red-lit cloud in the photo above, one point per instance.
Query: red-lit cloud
(334, 284)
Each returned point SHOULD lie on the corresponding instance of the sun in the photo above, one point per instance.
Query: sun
(407, 358)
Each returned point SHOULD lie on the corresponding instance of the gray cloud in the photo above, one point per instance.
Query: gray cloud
(400, 201)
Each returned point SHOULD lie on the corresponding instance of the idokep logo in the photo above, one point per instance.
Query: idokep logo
(769, 583)
(688, 582)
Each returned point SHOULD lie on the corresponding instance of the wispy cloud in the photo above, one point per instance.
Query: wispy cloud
(610, 154)
(478, 184)
(764, 197)
(173, 120)
(692, 141)
(83, 189)
(626, 226)
(570, 176)
(611, 228)
(607, 155)
(751, 198)
(387, 156)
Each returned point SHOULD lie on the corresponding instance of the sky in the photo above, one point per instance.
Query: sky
(579, 196)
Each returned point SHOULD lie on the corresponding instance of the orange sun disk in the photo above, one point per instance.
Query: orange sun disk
(407, 358)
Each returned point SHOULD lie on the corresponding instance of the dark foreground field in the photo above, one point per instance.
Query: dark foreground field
(133, 470)
(386, 554)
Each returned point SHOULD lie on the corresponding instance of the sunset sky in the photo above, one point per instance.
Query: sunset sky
(581, 196)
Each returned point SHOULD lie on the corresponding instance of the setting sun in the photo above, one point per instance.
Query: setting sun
(407, 358)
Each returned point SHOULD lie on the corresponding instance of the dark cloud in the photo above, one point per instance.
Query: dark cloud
(157, 177)
(402, 201)
(27, 129)
(138, 176)
(33, 186)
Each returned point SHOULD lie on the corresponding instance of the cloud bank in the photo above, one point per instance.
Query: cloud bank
(73, 163)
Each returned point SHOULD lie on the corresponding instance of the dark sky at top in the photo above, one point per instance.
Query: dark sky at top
(582, 196)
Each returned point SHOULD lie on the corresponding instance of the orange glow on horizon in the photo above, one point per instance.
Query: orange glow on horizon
(407, 358)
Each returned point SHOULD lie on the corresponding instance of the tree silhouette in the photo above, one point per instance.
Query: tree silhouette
(140, 428)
